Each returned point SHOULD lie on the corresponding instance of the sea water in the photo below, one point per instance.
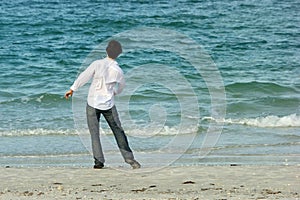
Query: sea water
(168, 107)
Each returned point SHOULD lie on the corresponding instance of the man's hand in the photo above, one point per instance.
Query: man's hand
(68, 94)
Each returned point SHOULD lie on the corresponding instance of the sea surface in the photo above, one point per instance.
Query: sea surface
(208, 82)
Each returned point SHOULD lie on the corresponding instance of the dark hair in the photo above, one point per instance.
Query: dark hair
(113, 49)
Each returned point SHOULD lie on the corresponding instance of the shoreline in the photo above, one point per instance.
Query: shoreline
(193, 182)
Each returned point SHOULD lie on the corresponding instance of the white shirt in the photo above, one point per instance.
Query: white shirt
(106, 74)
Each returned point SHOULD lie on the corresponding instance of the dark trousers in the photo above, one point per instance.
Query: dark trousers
(112, 118)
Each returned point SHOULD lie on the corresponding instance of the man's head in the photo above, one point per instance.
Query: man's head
(113, 49)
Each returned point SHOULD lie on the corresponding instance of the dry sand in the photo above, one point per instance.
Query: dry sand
(197, 182)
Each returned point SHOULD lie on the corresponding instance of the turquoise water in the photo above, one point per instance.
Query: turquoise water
(254, 45)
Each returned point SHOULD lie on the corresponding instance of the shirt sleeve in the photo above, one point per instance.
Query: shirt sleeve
(84, 77)
(120, 84)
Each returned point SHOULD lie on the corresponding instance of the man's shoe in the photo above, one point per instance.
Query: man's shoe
(134, 164)
(98, 164)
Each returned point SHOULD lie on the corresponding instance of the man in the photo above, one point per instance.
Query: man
(108, 81)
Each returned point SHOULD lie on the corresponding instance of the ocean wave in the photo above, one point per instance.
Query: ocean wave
(36, 98)
(270, 121)
(149, 131)
(252, 97)
(163, 131)
(259, 87)
(131, 131)
(256, 104)
(35, 132)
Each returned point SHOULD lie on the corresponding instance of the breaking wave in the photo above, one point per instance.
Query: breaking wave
(270, 121)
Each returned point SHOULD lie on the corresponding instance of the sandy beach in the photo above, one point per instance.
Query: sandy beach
(195, 182)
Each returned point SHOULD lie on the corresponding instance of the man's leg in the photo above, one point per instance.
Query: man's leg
(113, 121)
(93, 117)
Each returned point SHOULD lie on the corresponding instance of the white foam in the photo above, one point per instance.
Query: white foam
(36, 132)
(155, 131)
(270, 121)
(137, 131)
